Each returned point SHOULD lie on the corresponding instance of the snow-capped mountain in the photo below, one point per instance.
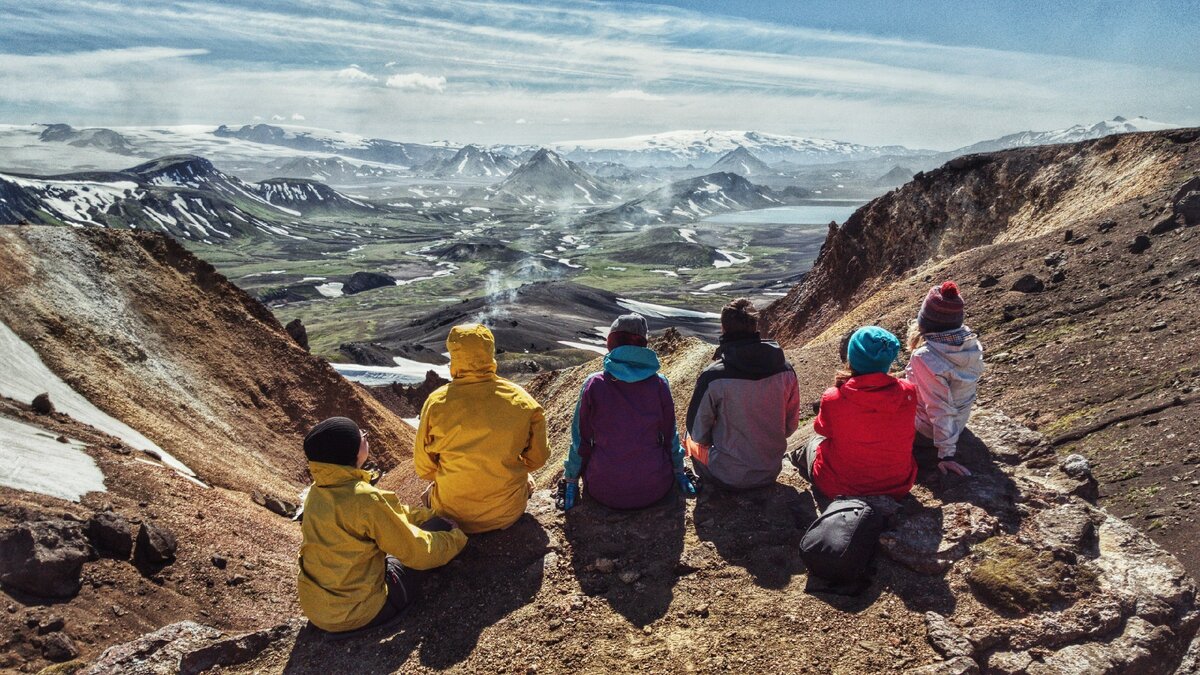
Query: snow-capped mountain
(548, 179)
(1072, 134)
(336, 143)
(331, 170)
(307, 196)
(742, 162)
(471, 161)
(184, 196)
(679, 148)
(692, 199)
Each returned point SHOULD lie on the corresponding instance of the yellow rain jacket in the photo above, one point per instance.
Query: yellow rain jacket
(479, 438)
(348, 526)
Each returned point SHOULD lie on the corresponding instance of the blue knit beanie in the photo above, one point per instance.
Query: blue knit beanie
(872, 350)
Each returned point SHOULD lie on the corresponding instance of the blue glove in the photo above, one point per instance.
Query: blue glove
(686, 486)
(568, 494)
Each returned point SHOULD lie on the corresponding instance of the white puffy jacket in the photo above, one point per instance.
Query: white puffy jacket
(946, 376)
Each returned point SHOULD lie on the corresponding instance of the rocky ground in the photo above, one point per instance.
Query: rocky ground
(1079, 268)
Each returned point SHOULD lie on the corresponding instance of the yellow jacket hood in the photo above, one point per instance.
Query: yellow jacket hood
(472, 351)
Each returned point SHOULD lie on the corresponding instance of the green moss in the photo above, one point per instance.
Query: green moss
(1016, 578)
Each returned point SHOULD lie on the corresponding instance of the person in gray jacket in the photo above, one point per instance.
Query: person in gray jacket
(744, 407)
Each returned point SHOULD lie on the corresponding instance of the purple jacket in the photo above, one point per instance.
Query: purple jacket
(624, 439)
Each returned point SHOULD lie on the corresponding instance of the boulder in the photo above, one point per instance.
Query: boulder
(42, 404)
(59, 647)
(44, 558)
(274, 504)
(1139, 244)
(299, 333)
(155, 545)
(365, 281)
(1015, 577)
(1029, 283)
(189, 648)
(111, 534)
(1076, 466)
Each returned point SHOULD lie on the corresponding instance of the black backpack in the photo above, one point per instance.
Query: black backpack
(839, 545)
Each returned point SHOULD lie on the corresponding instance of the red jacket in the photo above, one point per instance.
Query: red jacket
(868, 425)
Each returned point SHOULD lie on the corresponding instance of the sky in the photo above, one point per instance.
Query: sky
(928, 74)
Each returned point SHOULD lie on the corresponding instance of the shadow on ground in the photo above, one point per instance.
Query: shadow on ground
(630, 558)
(505, 567)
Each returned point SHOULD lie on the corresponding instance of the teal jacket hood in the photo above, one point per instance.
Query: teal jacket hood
(631, 363)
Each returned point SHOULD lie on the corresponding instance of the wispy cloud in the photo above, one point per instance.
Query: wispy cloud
(212, 62)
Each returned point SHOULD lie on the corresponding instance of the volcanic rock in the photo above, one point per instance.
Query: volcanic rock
(42, 404)
(44, 558)
(1139, 244)
(58, 647)
(299, 333)
(1029, 284)
(111, 534)
(156, 545)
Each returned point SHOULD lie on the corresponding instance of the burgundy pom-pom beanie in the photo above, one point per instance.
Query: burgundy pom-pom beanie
(942, 309)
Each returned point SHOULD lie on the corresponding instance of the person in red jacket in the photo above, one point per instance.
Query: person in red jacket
(864, 431)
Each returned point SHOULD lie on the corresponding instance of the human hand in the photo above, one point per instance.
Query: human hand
(950, 466)
(686, 485)
(568, 494)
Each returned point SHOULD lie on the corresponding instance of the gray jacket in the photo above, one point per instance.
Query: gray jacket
(745, 406)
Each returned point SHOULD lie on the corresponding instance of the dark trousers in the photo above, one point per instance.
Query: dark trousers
(403, 583)
(803, 457)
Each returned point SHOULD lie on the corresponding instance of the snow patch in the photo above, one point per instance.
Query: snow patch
(31, 459)
(653, 311)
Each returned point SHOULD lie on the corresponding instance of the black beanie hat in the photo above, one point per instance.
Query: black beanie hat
(334, 441)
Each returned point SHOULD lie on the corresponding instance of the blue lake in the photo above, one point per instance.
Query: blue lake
(802, 214)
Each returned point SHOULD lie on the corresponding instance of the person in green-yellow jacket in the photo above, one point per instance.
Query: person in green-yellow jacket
(361, 548)
(479, 438)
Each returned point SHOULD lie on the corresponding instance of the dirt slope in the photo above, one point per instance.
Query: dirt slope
(1112, 335)
(158, 339)
(978, 200)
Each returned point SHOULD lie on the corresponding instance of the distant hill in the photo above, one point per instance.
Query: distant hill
(899, 175)
(101, 139)
(692, 199)
(1071, 134)
(332, 170)
(742, 162)
(546, 178)
(334, 142)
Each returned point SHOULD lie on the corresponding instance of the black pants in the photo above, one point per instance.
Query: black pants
(403, 583)
(803, 457)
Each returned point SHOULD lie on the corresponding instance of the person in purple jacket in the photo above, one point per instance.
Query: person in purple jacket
(624, 439)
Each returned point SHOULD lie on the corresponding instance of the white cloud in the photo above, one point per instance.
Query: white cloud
(297, 117)
(390, 64)
(277, 118)
(635, 94)
(565, 119)
(417, 82)
(480, 122)
(355, 74)
(521, 120)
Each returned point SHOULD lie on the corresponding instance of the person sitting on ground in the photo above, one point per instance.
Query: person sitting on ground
(945, 366)
(862, 442)
(361, 548)
(624, 439)
(744, 407)
(479, 437)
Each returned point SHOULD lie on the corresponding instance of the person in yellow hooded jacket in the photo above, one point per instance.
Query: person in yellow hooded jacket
(362, 549)
(479, 437)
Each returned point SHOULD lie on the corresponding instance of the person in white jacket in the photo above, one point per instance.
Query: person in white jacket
(945, 366)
